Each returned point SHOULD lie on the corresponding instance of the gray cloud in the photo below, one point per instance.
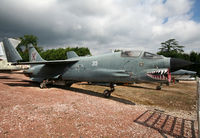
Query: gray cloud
(101, 25)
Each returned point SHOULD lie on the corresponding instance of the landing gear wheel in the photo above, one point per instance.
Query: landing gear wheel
(43, 84)
(106, 93)
(67, 84)
(158, 88)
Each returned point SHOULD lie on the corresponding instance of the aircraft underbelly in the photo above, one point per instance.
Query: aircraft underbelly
(98, 75)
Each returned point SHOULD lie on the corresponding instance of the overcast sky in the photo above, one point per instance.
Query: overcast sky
(103, 25)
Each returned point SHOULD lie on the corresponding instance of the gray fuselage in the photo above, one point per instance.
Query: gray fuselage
(113, 68)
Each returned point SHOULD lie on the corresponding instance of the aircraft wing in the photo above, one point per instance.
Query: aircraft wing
(47, 62)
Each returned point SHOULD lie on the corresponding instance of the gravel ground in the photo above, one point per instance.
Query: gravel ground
(28, 111)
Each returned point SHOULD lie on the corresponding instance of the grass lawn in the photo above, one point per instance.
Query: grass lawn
(179, 96)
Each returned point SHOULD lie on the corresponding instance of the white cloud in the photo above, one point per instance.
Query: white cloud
(102, 25)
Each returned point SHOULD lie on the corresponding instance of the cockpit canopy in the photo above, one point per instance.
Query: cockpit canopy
(139, 53)
(131, 53)
(151, 55)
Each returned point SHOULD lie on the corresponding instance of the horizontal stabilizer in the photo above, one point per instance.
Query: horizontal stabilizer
(71, 54)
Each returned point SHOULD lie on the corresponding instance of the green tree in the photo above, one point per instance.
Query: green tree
(194, 57)
(117, 50)
(28, 39)
(170, 48)
(60, 53)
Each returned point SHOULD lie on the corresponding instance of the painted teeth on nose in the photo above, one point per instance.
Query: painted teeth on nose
(162, 77)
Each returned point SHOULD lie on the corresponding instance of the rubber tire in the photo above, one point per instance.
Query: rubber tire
(106, 93)
(42, 85)
(158, 88)
(68, 85)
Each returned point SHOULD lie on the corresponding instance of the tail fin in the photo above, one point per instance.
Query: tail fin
(71, 54)
(11, 53)
(33, 54)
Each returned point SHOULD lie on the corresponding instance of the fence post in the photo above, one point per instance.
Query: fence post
(198, 105)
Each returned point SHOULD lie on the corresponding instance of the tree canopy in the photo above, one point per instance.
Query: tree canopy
(60, 53)
(27, 39)
(170, 48)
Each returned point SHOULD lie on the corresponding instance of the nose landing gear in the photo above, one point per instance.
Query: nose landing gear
(107, 92)
(159, 87)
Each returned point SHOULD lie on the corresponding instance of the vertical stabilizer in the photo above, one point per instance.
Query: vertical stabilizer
(33, 54)
(11, 53)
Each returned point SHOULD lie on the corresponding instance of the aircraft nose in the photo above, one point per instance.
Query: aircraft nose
(176, 64)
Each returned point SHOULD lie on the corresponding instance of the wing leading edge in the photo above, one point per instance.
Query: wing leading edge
(47, 62)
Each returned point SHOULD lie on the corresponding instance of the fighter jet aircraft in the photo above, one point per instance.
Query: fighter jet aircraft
(112, 68)
(182, 74)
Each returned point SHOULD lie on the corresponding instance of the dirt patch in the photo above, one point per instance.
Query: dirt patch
(28, 111)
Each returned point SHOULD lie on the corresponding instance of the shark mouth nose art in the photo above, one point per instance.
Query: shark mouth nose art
(162, 74)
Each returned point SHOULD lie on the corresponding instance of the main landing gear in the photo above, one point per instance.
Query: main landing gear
(43, 84)
(107, 92)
